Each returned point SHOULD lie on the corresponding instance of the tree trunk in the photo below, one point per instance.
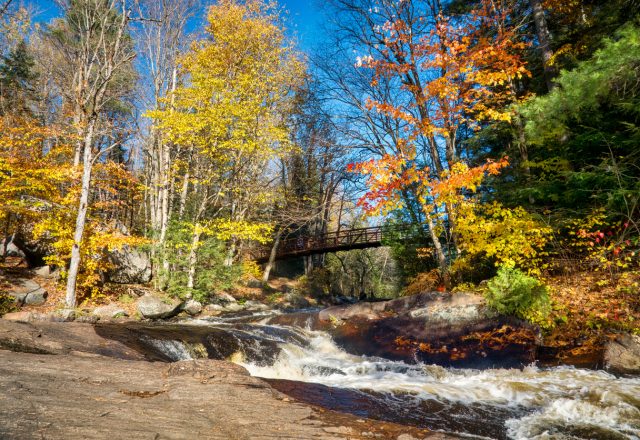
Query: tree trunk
(81, 218)
(544, 42)
(193, 257)
(441, 257)
(5, 243)
(195, 240)
(272, 256)
(231, 252)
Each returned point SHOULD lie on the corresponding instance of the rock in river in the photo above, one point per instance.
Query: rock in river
(622, 355)
(192, 307)
(442, 328)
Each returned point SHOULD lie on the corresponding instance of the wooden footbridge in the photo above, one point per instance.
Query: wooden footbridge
(341, 240)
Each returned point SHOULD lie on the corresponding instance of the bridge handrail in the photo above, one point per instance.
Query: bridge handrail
(341, 238)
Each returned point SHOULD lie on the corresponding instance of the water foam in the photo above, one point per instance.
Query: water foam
(562, 402)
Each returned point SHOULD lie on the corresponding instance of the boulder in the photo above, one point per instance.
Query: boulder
(45, 272)
(192, 307)
(87, 319)
(18, 316)
(440, 328)
(296, 301)
(35, 249)
(12, 249)
(254, 283)
(65, 315)
(153, 307)
(109, 311)
(622, 355)
(233, 307)
(36, 298)
(131, 266)
(224, 297)
(255, 306)
(214, 309)
(27, 292)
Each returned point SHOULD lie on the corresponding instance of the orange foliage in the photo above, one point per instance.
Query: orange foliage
(467, 64)
(39, 190)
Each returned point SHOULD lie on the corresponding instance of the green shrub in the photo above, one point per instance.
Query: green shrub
(7, 304)
(511, 292)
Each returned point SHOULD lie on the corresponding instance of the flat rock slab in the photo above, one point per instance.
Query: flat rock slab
(74, 393)
(61, 338)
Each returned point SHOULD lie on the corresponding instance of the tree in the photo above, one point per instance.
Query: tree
(17, 78)
(231, 113)
(94, 43)
(585, 133)
(455, 74)
(161, 38)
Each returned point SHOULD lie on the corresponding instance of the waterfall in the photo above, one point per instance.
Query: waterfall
(529, 403)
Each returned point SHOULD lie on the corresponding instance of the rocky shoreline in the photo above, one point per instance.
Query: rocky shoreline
(65, 381)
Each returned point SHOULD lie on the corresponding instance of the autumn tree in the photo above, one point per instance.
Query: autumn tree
(231, 114)
(93, 42)
(454, 73)
(161, 37)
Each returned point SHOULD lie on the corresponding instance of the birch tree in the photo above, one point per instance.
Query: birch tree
(162, 37)
(93, 42)
(230, 112)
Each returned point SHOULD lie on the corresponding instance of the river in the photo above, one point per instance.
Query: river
(529, 403)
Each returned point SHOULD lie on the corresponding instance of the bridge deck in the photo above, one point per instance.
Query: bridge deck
(341, 240)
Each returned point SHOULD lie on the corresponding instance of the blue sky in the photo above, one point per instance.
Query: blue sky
(304, 19)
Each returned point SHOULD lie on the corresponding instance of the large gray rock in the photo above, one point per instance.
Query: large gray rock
(224, 297)
(27, 292)
(192, 307)
(153, 307)
(134, 399)
(109, 311)
(12, 249)
(622, 355)
(130, 266)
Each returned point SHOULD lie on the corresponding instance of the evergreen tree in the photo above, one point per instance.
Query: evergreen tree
(17, 81)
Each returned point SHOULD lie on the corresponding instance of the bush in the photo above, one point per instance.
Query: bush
(7, 304)
(511, 292)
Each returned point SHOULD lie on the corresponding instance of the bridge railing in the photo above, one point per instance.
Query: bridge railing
(331, 240)
(343, 239)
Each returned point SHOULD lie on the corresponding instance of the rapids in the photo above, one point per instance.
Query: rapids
(529, 403)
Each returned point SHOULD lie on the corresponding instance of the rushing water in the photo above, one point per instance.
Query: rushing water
(532, 403)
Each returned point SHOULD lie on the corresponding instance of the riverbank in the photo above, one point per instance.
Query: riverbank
(65, 381)
(344, 392)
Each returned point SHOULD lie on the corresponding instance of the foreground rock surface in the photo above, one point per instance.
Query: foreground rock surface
(75, 392)
(622, 355)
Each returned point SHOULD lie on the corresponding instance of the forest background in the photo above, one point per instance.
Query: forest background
(501, 135)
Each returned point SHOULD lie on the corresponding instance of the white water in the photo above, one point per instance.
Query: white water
(533, 403)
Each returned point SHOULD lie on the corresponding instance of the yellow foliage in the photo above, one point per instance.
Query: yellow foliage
(240, 77)
(511, 237)
(232, 111)
(39, 188)
(251, 269)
